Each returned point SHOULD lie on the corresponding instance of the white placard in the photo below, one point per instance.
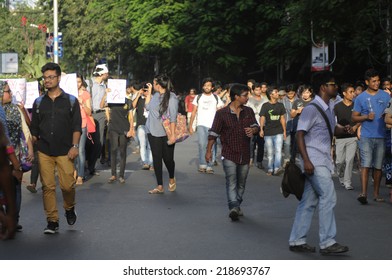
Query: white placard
(32, 92)
(69, 84)
(320, 58)
(117, 91)
(18, 88)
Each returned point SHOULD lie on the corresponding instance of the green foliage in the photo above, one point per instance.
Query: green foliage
(31, 65)
(193, 38)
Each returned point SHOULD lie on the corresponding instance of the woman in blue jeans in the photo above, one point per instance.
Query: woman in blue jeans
(85, 111)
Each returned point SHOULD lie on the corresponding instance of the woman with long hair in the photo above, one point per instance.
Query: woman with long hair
(16, 125)
(7, 192)
(84, 98)
(161, 103)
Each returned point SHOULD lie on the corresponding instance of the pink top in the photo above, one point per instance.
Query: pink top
(83, 97)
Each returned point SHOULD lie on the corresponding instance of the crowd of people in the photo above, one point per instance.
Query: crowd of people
(66, 136)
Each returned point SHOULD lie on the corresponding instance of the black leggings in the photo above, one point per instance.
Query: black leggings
(161, 151)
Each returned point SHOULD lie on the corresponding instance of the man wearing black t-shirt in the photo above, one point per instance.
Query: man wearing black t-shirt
(346, 144)
(273, 129)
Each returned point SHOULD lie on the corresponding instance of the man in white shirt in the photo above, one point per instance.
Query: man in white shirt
(205, 107)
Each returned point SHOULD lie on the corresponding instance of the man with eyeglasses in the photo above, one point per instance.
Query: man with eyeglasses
(314, 145)
(56, 128)
(369, 108)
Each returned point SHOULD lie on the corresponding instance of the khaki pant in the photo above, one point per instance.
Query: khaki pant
(65, 171)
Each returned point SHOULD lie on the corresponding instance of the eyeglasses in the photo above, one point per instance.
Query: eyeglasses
(50, 78)
(331, 84)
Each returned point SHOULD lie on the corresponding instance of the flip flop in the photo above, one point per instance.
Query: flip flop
(112, 179)
(172, 187)
(156, 191)
(379, 199)
(31, 188)
(362, 198)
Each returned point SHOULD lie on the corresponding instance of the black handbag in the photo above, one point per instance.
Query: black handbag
(293, 179)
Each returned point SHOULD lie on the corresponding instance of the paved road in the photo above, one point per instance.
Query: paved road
(119, 222)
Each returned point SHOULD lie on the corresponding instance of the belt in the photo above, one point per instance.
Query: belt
(98, 111)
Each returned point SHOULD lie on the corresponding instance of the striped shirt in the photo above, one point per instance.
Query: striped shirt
(317, 139)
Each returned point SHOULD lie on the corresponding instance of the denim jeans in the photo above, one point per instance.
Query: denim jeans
(202, 136)
(289, 145)
(259, 141)
(372, 152)
(319, 190)
(274, 151)
(18, 196)
(81, 159)
(236, 175)
(145, 150)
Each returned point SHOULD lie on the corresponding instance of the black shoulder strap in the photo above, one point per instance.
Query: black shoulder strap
(325, 118)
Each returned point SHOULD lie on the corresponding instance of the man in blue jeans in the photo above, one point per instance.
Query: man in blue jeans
(205, 106)
(368, 110)
(235, 124)
(314, 145)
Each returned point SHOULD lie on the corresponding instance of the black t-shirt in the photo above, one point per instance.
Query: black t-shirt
(272, 114)
(343, 116)
(297, 104)
(140, 118)
(119, 121)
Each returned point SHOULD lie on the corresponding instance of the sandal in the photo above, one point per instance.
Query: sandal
(362, 198)
(31, 188)
(112, 179)
(209, 171)
(156, 191)
(202, 170)
(121, 180)
(378, 199)
(172, 187)
(79, 181)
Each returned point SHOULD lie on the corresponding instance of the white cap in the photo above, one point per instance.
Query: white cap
(101, 69)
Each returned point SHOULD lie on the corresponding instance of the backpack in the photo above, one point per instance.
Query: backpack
(38, 100)
(199, 96)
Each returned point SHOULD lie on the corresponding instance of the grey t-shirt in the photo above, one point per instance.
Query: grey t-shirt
(154, 120)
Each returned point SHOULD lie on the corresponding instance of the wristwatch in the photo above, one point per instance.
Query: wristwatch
(75, 146)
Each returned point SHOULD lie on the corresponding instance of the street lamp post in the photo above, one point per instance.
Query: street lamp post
(55, 32)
